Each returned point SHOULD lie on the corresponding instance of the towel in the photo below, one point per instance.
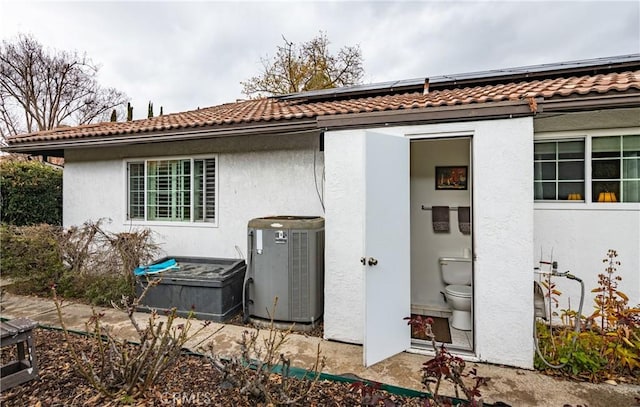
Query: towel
(440, 218)
(170, 264)
(464, 220)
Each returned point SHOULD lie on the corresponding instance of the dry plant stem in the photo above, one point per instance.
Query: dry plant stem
(126, 370)
(89, 249)
(79, 360)
(264, 356)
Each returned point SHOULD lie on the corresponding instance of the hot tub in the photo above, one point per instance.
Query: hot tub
(210, 287)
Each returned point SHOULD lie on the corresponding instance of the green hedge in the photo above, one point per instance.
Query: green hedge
(31, 193)
(31, 257)
(85, 262)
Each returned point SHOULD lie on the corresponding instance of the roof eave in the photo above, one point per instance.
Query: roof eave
(630, 98)
(282, 127)
(481, 111)
(431, 114)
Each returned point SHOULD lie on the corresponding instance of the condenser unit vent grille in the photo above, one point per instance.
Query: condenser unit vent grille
(299, 275)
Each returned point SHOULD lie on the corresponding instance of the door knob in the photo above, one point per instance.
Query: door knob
(372, 261)
(363, 260)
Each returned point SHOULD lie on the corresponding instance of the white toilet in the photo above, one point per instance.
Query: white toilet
(457, 275)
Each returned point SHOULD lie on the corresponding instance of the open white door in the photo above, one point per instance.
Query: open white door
(387, 249)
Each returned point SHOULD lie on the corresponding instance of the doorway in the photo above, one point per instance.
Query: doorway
(441, 201)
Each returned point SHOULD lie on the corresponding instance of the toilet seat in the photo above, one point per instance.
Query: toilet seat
(463, 291)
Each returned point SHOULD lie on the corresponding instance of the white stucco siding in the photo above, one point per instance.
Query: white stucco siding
(502, 181)
(503, 234)
(274, 178)
(92, 191)
(579, 238)
(344, 242)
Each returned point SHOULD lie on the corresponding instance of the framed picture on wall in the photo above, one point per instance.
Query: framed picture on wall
(453, 177)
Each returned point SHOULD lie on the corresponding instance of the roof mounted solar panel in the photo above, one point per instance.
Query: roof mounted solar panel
(593, 65)
(379, 87)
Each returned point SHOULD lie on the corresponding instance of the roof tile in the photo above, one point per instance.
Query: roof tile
(273, 109)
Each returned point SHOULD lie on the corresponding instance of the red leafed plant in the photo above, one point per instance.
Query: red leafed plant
(370, 394)
(447, 367)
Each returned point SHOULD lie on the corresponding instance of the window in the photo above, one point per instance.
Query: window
(181, 190)
(559, 170)
(615, 169)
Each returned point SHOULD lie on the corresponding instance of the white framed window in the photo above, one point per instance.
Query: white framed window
(615, 169)
(593, 168)
(172, 189)
(559, 170)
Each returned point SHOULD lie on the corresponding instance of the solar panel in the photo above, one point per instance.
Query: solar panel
(378, 86)
(417, 84)
(541, 68)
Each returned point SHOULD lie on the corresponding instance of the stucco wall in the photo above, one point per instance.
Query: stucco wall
(503, 216)
(578, 239)
(344, 296)
(257, 176)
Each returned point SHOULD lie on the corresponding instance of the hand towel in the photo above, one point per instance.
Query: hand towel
(440, 218)
(464, 220)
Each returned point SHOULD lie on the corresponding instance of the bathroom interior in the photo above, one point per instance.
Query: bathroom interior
(441, 248)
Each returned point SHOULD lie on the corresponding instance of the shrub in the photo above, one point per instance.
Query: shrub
(608, 345)
(126, 371)
(84, 262)
(581, 355)
(616, 320)
(31, 193)
(103, 290)
(31, 256)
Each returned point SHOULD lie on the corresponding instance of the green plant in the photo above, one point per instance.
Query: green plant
(254, 369)
(84, 262)
(31, 193)
(578, 352)
(618, 322)
(552, 294)
(30, 256)
(608, 344)
(104, 289)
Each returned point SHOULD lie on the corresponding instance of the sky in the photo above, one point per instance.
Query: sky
(188, 54)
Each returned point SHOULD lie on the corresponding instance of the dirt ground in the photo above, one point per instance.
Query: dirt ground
(192, 381)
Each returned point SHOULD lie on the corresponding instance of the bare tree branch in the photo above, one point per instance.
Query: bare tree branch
(49, 88)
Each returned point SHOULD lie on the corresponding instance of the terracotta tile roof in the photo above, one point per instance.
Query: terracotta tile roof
(275, 110)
